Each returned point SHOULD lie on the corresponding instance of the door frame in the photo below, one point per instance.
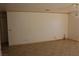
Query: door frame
(3, 31)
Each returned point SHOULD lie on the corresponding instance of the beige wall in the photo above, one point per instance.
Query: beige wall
(73, 32)
(28, 27)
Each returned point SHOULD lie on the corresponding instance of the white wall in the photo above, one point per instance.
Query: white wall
(73, 32)
(28, 27)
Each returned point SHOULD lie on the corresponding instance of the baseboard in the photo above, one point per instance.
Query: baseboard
(65, 38)
(74, 40)
(43, 42)
(35, 42)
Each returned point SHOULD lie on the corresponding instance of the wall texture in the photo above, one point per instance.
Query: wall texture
(73, 32)
(28, 27)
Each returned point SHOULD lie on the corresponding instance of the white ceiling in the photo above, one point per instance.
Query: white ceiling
(39, 7)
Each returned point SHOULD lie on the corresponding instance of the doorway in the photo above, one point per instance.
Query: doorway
(4, 32)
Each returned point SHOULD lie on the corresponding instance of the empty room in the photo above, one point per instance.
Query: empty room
(39, 29)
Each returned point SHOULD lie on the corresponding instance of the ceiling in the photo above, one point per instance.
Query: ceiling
(38, 7)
